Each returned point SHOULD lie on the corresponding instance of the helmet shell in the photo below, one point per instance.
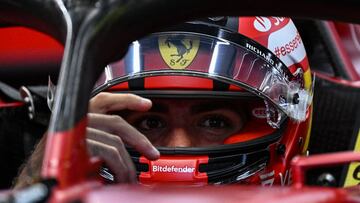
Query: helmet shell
(280, 36)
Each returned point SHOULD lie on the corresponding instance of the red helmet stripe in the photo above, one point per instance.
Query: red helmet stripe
(178, 82)
(121, 86)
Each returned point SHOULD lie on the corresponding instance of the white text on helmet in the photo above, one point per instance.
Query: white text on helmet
(260, 53)
(173, 169)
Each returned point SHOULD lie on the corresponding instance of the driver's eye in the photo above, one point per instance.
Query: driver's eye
(150, 123)
(215, 121)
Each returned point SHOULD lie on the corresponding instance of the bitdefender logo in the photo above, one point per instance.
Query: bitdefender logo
(173, 169)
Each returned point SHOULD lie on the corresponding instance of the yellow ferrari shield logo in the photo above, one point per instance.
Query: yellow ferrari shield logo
(178, 51)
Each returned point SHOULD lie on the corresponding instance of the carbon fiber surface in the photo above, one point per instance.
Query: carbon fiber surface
(335, 126)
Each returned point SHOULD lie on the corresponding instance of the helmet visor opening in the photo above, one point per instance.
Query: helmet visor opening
(201, 122)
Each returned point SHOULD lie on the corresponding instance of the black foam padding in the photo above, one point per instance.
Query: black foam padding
(336, 110)
(336, 117)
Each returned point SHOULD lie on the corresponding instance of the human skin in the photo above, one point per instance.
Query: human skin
(106, 138)
(188, 122)
(116, 120)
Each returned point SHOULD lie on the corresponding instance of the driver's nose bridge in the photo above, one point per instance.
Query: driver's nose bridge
(179, 137)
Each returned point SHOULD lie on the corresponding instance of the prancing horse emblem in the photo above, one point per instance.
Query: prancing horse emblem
(180, 46)
(178, 51)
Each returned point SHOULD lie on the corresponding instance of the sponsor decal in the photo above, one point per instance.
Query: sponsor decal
(169, 169)
(266, 56)
(278, 20)
(287, 45)
(286, 179)
(264, 24)
(172, 169)
(267, 179)
(259, 112)
(353, 174)
(269, 57)
(178, 51)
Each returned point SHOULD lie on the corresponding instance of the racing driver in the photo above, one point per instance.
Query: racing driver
(214, 101)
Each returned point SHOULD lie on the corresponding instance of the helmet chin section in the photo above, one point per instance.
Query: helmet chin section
(174, 169)
(222, 164)
(201, 170)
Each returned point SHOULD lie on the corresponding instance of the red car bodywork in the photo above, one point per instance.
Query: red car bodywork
(77, 173)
